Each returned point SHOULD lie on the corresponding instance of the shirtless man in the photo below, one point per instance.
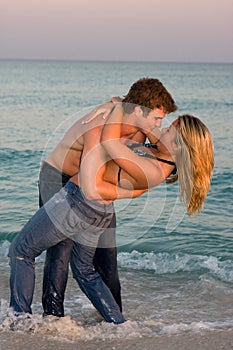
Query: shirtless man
(63, 164)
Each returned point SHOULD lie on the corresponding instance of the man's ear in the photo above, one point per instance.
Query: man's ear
(138, 111)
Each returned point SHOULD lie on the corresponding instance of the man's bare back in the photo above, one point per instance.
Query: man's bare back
(67, 154)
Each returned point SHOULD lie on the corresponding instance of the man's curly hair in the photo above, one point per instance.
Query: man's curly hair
(149, 93)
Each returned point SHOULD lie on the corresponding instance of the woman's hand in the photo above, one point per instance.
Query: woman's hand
(104, 109)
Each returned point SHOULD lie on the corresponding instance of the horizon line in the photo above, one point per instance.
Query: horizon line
(109, 60)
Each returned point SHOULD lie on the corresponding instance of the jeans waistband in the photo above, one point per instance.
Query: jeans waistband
(51, 169)
(74, 189)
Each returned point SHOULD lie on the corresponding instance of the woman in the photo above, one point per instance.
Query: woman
(82, 211)
(184, 152)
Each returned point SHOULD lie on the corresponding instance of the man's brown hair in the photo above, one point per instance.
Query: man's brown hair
(149, 93)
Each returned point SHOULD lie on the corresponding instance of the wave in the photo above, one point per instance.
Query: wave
(11, 154)
(167, 263)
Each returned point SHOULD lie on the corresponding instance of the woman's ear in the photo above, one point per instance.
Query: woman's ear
(175, 148)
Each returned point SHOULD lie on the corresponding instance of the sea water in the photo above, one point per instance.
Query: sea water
(176, 271)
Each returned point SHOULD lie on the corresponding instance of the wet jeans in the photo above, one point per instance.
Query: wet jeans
(57, 260)
(56, 267)
(66, 215)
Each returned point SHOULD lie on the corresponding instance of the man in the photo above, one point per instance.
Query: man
(64, 163)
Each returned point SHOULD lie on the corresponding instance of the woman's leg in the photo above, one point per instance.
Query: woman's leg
(92, 284)
(36, 236)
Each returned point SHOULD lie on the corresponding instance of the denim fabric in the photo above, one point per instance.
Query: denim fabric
(51, 180)
(56, 267)
(92, 284)
(67, 213)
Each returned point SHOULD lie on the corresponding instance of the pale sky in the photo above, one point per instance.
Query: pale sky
(125, 30)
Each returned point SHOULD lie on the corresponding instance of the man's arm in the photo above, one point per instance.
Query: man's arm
(104, 109)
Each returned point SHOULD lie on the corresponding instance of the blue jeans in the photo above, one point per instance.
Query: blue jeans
(56, 268)
(66, 215)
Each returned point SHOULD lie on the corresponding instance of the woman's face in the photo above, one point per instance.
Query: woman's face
(166, 143)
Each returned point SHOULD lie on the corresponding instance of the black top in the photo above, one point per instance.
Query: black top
(134, 148)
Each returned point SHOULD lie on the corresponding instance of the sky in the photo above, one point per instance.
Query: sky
(120, 30)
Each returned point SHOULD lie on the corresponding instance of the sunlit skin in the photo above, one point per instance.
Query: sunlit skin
(166, 143)
(140, 174)
(165, 149)
(153, 120)
(67, 154)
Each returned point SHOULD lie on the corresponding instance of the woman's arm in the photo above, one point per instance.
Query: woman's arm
(92, 171)
(110, 192)
(146, 172)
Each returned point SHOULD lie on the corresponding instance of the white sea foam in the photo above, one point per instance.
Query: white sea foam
(177, 328)
(69, 329)
(162, 263)
(4, 248)
(65, 327)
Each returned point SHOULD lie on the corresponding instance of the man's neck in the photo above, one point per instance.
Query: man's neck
(129, 127)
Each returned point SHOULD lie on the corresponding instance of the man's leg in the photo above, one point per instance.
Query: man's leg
(56, 268)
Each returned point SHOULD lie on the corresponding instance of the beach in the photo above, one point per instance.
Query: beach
(92, 333)
(221, 340)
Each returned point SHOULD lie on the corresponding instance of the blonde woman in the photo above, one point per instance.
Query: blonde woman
(184, 152)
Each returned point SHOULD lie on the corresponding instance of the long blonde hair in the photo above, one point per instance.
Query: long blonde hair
(194, 162)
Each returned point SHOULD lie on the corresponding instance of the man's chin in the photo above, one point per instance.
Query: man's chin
(146, 131)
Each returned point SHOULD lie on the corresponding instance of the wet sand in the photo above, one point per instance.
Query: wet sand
(221, 340)
(202, 340)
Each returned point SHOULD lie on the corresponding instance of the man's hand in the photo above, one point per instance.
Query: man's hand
(104, 109)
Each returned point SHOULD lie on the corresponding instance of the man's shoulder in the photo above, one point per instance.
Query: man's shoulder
(80, 133)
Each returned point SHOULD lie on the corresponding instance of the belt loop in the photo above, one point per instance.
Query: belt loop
(73, 189)
(42, 166)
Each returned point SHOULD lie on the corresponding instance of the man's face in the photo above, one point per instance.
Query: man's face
(152, 120)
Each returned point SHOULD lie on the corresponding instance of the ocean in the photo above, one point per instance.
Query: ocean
(176, 271)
